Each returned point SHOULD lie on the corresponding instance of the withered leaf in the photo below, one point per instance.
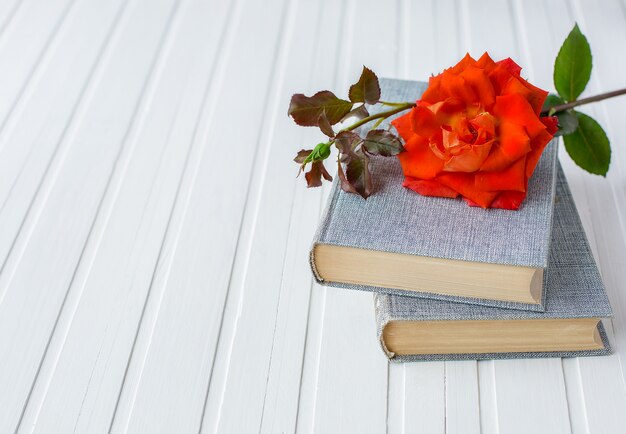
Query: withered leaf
(324, 125)
(382, 142)
(345, 184)
(315, 174)
(306, 110)
(366, 89)
(346, 141)
(358, 174)
(302, 155)
(359, 113)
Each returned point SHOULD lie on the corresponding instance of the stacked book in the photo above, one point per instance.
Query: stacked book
(458, 282)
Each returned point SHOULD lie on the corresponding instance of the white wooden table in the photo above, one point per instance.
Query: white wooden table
(153, 237)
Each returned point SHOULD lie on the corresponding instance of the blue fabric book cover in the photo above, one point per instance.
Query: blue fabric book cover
(574, 289)
(447, 232)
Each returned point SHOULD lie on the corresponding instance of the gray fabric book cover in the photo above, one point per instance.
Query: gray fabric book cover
(396, 219)
(574, 289)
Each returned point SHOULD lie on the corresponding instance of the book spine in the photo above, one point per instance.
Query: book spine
(322, 227)
(381, 314)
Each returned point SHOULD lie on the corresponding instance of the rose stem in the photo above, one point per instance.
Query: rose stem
(569, 105)
(388, 113)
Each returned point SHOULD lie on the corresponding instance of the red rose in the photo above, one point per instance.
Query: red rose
(477, 133)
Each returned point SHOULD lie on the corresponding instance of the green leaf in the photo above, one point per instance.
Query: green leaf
(382, 142)
(589, 146)
(568, 122)
(314, 176)
(366, 89)
(572, 67)
(552, 100)
(358, 174)
(306, 111)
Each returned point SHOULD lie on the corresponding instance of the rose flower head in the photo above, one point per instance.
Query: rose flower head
(476, 132)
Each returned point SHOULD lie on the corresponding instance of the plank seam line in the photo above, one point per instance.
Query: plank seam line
(516, 15)
(567, 392)
(287, 24)
(36, 71)
(495, 394)
(480, 418)
(112, 35)
(387, 400)
(461, 5)
(445, 396)
(9, 19)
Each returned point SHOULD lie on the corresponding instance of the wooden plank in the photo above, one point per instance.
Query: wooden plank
(35, 128)
(27, 37)
(283, 389)
(192, 279)
(530, 396)
(416, 391)
(431, 48)
(462, 400)
(8, 10)
(104, 303)
(262, 286)
(347, 362)
(488, 410)
(35, 280)
(517, 382)
(417, 398)
(575, 395)
(595, 386)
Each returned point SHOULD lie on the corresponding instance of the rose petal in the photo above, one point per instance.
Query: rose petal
(513, 144)
(465, 62)
(513, 108)
(455, 86)
(499, 75)
(485, 62)
(402, 124)
(509, 200)
(538, 144)
(532, 94)
(479, 81)
(486, 122)
(418, 160)
(464, 184)
(428, 187)
(469, 161)
(510, 66)
(448, 110)
(513, 178)
(424, 122)
(551, 123)
(433, 92)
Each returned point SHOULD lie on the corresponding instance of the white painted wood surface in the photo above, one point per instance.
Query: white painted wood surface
(153, 237)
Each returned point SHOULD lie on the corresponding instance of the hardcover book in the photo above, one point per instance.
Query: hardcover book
(411, 329)
(399, 242)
